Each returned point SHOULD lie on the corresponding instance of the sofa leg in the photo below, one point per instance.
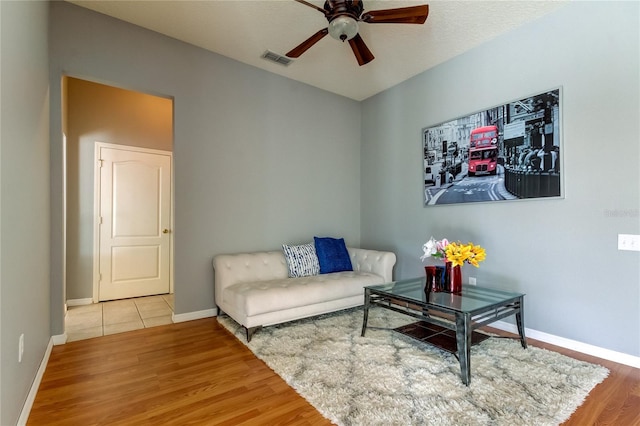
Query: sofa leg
(251, 331)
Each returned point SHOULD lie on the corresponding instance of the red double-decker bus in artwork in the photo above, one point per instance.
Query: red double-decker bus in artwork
(483, 151)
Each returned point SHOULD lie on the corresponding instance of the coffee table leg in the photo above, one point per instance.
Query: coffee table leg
(520, 323)
(367, 295)
(463, 339)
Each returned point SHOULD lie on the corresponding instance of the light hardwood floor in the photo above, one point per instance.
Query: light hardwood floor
(196, 373)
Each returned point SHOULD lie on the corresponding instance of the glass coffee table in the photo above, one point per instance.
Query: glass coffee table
(447, 320)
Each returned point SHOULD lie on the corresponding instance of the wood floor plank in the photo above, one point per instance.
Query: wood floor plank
(197, 373)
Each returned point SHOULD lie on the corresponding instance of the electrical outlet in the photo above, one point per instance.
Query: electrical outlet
(629, 242)
(20, 347)
(472, 280)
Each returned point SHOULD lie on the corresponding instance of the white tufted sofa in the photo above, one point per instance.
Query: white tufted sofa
(254, 288)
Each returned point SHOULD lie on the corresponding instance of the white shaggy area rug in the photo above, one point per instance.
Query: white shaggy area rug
(386, 378)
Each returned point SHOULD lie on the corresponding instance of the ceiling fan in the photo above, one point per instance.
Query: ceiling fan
(343, 17)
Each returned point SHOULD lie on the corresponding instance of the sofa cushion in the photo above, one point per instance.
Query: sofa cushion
(255, 298)
(333, 255)
(302, 260)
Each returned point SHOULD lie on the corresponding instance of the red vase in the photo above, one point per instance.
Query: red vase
(430, 284)
(436, 279)
(453, 278)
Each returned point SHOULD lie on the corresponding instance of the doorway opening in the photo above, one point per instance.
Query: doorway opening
(127, 121)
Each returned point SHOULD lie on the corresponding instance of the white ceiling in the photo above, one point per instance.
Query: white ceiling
(244, 29)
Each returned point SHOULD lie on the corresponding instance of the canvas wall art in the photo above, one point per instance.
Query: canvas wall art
(508, 152)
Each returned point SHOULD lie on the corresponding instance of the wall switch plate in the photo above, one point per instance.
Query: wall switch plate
(472, 280)
(629, 242)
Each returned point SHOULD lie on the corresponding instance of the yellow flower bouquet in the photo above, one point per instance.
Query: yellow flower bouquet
(458, 253)
(454, 252)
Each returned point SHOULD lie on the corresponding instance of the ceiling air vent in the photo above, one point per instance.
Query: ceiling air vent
(274, 57)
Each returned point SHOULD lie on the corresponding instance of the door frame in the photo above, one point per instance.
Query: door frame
(96, 210)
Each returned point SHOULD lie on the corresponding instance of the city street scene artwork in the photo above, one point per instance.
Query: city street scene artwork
(508, 152)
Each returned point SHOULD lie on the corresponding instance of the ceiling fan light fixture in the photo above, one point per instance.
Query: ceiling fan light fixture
(343, 28)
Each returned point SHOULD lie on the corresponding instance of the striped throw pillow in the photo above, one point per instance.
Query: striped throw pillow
(301, 260)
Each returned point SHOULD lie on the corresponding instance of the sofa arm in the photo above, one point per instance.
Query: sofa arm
(377, 262)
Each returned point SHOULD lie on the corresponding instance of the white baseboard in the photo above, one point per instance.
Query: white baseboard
(79, 302)
(31, 397)
(59, 339)
(190, 316)
(585, 348)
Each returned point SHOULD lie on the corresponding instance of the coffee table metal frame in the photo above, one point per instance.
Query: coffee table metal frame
(435, 310)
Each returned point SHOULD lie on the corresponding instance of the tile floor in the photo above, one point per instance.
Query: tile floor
(117, 316)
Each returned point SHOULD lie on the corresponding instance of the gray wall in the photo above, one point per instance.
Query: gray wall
(561, 253)
(24, 197)
(260, 160)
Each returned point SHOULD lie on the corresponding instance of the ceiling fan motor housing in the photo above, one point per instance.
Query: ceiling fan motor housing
(354, 8)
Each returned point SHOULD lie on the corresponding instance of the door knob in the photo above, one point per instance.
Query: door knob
(165, 231)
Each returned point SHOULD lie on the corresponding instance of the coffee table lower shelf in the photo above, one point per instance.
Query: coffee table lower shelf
(437, 336)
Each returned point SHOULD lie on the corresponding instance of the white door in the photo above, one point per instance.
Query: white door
(134, 222)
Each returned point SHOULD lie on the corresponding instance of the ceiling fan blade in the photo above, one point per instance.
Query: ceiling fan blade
(402, 15)
(306, 3)
(360, 49)
(305, 45)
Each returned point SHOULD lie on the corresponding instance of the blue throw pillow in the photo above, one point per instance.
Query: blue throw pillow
(333, 255)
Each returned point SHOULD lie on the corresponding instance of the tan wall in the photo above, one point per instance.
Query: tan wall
(99, 113)
(108, 114)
